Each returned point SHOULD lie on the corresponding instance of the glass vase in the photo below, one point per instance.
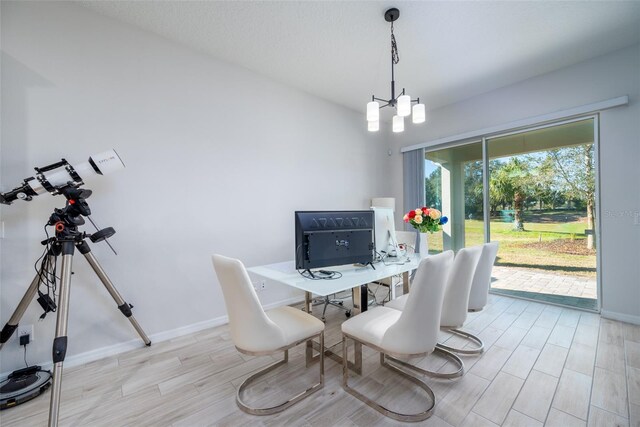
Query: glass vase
(423, 244)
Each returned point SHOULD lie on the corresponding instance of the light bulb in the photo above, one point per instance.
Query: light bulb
(419, 115)
(373, 111)
(398, 123)
(404, 105)
(373, 126)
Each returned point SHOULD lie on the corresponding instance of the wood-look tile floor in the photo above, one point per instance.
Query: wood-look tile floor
(543, 365)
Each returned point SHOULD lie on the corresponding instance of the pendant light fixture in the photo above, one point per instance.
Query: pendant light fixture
(402, 103)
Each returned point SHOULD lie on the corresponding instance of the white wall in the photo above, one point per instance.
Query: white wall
(218, 158)
(602, 78)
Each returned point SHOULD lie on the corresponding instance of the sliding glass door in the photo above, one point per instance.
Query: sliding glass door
(534, 192)
(542, 204)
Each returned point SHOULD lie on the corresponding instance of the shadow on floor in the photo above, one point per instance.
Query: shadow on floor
(547, 267)
(576, 302)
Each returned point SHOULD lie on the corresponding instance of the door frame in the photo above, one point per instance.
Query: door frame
(485, 180)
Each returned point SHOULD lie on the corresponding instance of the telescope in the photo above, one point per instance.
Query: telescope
(65, 179)
(54, 177)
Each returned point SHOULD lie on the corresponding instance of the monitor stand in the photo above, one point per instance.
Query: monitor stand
(310, 273)
(365, 264)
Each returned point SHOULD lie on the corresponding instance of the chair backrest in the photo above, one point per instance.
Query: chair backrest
(251, 329)
(482, 277)
(456, 296)
(416, 331)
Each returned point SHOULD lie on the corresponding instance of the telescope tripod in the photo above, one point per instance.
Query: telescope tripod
(66, 246)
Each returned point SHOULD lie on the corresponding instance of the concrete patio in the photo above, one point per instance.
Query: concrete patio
(535, 281)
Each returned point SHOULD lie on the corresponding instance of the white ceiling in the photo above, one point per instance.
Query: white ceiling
(449, 51)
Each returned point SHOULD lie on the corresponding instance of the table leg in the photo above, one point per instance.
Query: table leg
(309, 345)
(359, 297)
(360, 302)
(405, 283)
(308, 300)
(356, 296)
(355, 366)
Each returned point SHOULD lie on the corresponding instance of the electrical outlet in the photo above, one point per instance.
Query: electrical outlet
(263, 285)
(26, 330)
(259, 286)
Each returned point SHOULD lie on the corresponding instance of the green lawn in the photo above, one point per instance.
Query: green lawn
(547, 243)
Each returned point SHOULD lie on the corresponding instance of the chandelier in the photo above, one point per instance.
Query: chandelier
(402, 103)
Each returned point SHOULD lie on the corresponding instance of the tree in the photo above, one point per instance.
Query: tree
(544, 188)
(496, 195)
(473, 189)
(575, 172)
(433, 189)
(511, 184)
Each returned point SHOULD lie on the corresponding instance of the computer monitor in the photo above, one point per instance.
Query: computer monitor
(327, 238)
(386, 241)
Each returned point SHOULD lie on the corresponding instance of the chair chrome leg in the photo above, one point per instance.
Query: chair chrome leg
(474, 350)
(446, 353)
(284, 405)
(421, 416)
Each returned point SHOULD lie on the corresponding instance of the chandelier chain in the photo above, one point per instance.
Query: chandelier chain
(395, 57)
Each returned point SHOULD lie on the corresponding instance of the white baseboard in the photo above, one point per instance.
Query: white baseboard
(288, 301)
(627, 318)
(112, 350)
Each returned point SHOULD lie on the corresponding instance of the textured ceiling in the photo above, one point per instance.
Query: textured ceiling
(449, 51)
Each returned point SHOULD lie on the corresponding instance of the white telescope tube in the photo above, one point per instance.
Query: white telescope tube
(106, 162)
(98, 164)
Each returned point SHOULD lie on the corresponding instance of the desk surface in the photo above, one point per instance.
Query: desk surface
(352, 276)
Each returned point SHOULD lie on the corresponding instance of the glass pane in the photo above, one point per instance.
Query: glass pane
(473, 203)
(453, 183)
(433, 199)
(542, 205)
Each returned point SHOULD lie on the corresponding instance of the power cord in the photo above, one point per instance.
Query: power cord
(47, 277)
(24, 340)
(320, 274)
(382, 258)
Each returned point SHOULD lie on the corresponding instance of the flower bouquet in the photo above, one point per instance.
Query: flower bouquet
(425, 220)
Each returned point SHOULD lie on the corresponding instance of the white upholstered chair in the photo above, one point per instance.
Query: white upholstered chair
(258, 333)
(482, 277)
(456, 298)
(409, 333)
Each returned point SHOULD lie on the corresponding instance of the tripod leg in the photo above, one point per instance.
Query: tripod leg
(12, 324)
(124, 307)
(60, 341)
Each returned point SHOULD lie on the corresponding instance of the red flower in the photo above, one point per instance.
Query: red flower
(412, 214)
(426, 211)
